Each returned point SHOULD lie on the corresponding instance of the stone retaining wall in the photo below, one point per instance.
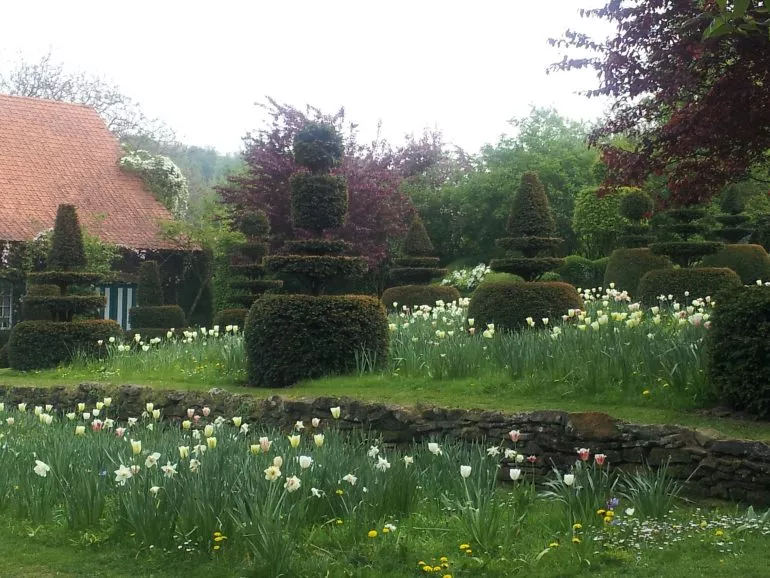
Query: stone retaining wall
(731, 469)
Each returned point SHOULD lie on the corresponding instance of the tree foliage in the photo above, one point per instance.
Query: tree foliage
(377, 209)
(49, 79)
(695, 107)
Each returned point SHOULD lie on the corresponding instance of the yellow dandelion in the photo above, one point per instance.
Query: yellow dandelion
(719, 533)
(576, 540)
(577, 526)
(601, 512)
(339, 522)
(464, 546)
(372, 533)
(443, 559)
(427, 568)
(553, 545)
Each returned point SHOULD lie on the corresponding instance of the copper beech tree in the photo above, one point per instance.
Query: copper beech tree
(694, 104)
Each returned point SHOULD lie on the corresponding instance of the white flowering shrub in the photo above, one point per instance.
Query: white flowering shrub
(467, 279)
(162, 176)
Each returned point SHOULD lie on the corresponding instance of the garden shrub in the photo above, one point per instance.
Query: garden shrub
(751, 262)
(700, 282)
(44, 344)
(148, 291)
(318, 202)
(5, 334)
(582, 272)
(230, 317)
(508, 305)
(67, 249)
(31, 312)
(597, 221)
(293, 337)
(411, 295)
(626, 267)
(416, 267)
(739, 350)
(161, 317)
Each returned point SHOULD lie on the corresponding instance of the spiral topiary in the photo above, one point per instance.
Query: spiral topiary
(247, 261)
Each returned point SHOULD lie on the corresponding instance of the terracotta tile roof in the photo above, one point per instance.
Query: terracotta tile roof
(56, 152)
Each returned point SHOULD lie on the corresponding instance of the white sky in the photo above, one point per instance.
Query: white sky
(464, 67)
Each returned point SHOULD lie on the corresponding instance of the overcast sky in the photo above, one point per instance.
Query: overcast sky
(464, 67)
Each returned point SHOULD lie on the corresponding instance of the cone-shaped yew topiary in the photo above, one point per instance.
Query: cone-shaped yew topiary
(531, 231)
(293, 337)
(247, 260)
(410, 277)
(508, 304)
(69, 292)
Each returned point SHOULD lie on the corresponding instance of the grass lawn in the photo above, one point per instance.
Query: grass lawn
(487, 393)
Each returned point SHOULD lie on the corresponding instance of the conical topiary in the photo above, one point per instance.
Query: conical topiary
(67, 250)
(734, 222)
(247, 259)
(412, 273)
(531, 229)
(508, 304)
(292, 337)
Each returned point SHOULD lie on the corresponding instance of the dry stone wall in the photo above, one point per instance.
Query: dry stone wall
(720, 468)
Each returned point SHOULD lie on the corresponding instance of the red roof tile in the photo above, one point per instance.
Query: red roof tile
(56, 152)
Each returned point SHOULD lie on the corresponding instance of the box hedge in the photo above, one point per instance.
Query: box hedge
(626, 267)
(227, 317)
(44, 344)
(508, 305)
(700, 282)
(751, 262)
(162, 316)
(293, 337)
(411, 295)
(739, 350)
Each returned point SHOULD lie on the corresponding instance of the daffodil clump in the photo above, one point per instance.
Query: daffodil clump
(312, 498)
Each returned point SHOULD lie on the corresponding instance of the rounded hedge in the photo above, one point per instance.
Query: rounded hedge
(227, 317)
(751, 262)
(626, 267)
(414, 275)
(411, 295)
(700, 282)
(318, 202)
(508, 304)
(288, 338)
(163, 316)
(318, 147)
(44, 344)
(686, 253)
(739, 350)
(582, 272)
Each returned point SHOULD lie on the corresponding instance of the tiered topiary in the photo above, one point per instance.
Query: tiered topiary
(635, 206)
(63, 292)
(687, 282)
(531, 226)
(247, 261)
(150, 318)
(294, 337)
(680, 225)
(739, 350)
(410, 277)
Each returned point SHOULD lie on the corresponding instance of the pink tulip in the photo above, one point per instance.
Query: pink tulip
(196, 418)
(583, 453)
(97, 425)
(515, 435)
(532, 459)
(206, 411)
(120, 431)
(599, 459)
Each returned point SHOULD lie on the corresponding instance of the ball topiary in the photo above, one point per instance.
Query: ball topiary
(255, 224)
(227, 317)
(739, 350)
(411, 295)
(751, 262)
(700, 282)
(318, 147)
(626, 267)
(67, 249)
(635, 205)
(508, 305)
(149, 292)
(293, 337)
